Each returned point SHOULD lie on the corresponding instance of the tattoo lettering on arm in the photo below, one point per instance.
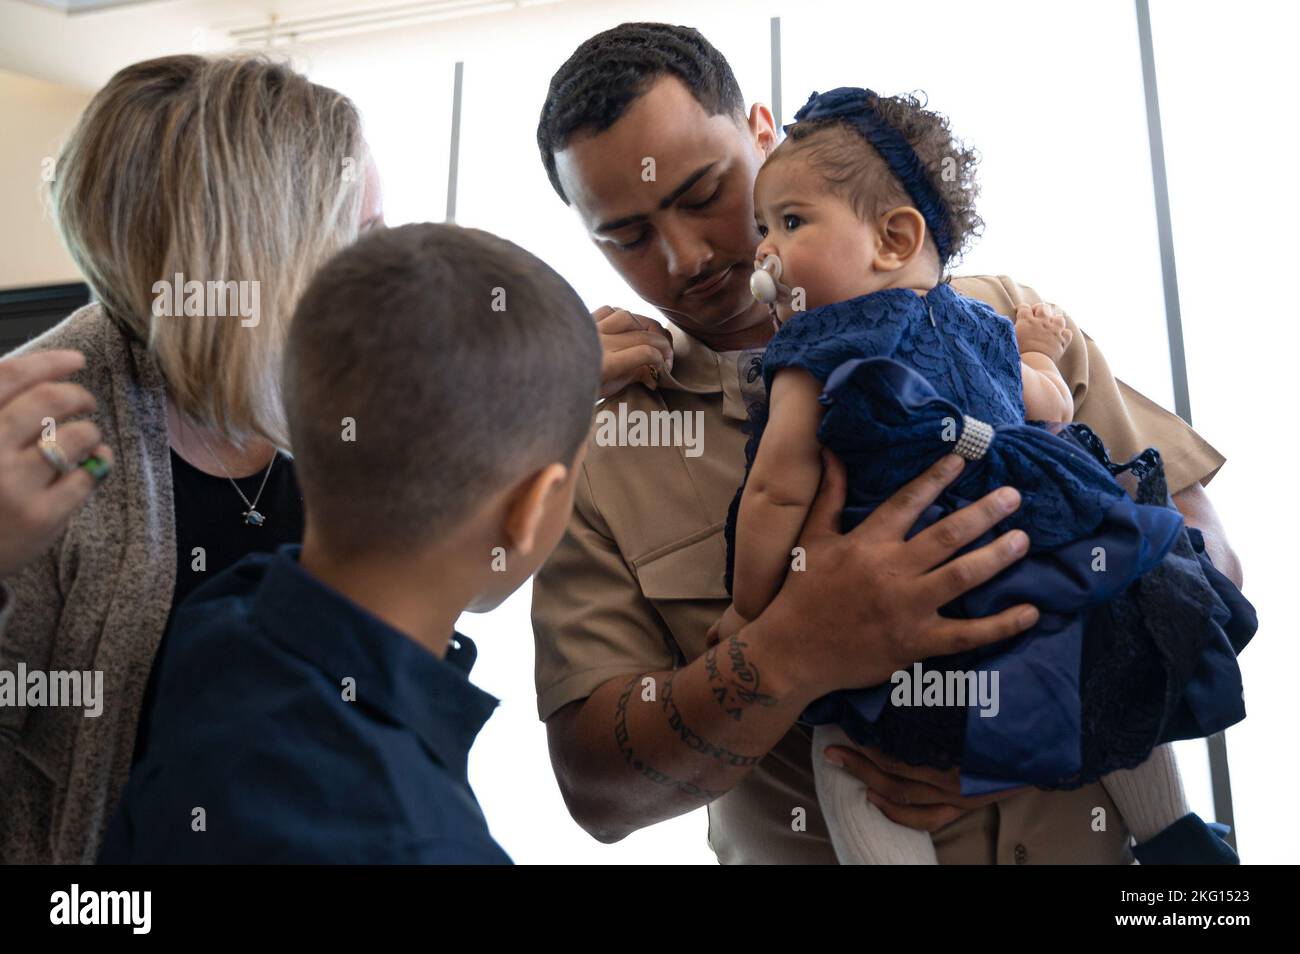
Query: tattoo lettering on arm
(696, 742)
(622, 738)
(742, 687)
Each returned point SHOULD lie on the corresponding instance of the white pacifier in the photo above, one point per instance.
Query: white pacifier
(764, 284)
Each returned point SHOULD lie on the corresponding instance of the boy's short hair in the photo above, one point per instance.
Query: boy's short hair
(609, 71)
(429, 366)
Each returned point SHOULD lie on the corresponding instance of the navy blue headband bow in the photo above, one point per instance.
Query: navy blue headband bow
(854, 106)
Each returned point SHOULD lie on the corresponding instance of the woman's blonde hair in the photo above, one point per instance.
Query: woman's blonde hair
(223, 170)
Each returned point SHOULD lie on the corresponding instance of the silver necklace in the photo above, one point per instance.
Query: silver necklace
(251, 516)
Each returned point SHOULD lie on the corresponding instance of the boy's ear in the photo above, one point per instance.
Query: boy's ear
(526, 507)
(902, 236)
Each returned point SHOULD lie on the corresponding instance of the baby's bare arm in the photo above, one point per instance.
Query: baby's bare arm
(782, 484)
(1042, 337)
(1047, 396)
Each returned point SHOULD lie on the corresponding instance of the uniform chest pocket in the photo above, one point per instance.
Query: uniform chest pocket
(692, 568)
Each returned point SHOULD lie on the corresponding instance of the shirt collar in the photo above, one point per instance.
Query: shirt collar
(393, 674)
(699, 369)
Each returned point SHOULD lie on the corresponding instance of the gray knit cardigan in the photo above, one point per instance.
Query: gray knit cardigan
(97, 600)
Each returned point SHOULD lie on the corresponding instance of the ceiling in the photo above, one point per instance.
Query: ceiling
(80, 43)
(82, 6)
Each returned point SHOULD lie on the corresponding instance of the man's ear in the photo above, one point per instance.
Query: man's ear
(763, 128)
(526, 506)
(902, 237)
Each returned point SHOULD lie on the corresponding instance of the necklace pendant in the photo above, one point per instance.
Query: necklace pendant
(253, 518)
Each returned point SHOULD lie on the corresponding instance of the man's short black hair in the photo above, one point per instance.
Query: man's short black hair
(608, 72)
(427, 367)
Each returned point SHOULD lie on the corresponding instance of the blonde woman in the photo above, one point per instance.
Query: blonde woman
(197, 197)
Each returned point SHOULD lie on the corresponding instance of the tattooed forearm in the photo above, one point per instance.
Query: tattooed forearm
(740, 688)
(694, 740)
(622, 739)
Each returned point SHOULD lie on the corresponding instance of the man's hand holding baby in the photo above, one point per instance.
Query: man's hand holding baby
(728, 625)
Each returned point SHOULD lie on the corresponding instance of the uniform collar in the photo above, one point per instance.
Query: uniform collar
(393, 674)
(699, 369)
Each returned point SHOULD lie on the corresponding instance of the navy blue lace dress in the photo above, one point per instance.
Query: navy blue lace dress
(1138, 635)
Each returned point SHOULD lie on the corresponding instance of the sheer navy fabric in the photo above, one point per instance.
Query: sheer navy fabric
(1138, 635)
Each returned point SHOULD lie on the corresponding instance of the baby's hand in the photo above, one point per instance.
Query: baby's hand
(726, 627)
(1042, 329)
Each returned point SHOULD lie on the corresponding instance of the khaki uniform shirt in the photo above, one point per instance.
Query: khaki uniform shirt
(638, 580)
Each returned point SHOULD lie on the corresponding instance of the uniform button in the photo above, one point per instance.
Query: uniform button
(1022, 854)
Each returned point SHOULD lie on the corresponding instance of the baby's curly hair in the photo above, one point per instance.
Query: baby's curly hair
(854, 169)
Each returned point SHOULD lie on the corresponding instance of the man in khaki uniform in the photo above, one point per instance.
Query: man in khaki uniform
(622, 609)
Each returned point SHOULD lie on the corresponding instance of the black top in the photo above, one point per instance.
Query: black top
(210, 517)
(309, 730)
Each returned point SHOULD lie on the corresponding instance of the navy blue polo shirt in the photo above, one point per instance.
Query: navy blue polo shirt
(293, 726)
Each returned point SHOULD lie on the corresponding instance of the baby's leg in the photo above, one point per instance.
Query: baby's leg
(1150, 797)
(860, 832)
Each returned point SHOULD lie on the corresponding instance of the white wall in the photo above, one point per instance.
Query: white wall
(1228, 82)
(34, 116)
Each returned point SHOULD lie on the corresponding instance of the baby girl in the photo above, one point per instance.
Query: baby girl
(861, 210)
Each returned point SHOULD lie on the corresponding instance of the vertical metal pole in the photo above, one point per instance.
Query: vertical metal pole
(776, 72)
(1220, 778)
(453, 162)
(1164, 225)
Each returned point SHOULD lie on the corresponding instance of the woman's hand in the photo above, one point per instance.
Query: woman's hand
(41, 484)
(916, 796)
(635, 349)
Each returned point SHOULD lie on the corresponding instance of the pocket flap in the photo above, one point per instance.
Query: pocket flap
(690, 569)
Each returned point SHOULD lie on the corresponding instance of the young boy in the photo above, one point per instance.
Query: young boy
(439, 384)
